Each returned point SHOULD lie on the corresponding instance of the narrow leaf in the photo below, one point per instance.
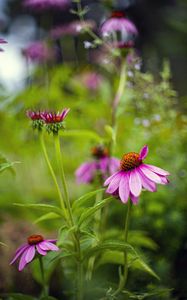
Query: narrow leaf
(82, 133)
(83, 199)
(44, 207)
(48, 216)
(90, 211)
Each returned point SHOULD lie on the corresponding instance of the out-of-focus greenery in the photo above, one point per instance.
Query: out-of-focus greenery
(148, 114)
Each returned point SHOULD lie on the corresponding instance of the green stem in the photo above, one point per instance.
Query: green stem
(123, 278)
(68, 205)
(62, 174)
(44, 285)
(52, 174)
(119, 93)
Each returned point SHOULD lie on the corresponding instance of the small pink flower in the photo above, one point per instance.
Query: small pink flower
(119, 31)
(49, 117)
(102, 164)
(36, 118)
(47, 4)
(2, 41)
(35, 244)
(134, 176)
(54, 121)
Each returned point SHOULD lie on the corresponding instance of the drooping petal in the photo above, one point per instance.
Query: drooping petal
(147, 183)
(124, 188)
(85, 172)
(22, 262)
(134, 199)
(40, 251)
(19, 251)
(30, 254)
(45, 245)
(114, 184)
(109, 179)
(135, 183)
(164, 180)
(157, 170)
(114, 164)
(149, 174)
(144, 152)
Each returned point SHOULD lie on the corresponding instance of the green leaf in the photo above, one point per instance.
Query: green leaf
(45, 207)
(83, 199)
(63, 254)
(82, 133)
(48, 298)
(140, 264)
(2, 244)
(90, 211)
(5, 164)
(48, 216)
(109, 245)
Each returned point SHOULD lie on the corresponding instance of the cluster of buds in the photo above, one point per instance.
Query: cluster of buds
(53, 122)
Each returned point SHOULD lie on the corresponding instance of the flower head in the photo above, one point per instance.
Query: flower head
(134, 175)
(119, 31)
(38, 52)
(36, 118)
(54, 121)
(36, 244)
(46, 4)
(102, 164)
(2, 41)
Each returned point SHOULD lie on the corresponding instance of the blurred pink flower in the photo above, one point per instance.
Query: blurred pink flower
(135, 175)
(46, 4)
(119, 31)
(73, 28)
(91, 80)
(2, 41)
(101, 164)
(35, 244)
(39, 52)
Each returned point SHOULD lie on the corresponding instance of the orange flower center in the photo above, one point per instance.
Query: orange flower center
(35, 239)
(130, 161)
(99, 152)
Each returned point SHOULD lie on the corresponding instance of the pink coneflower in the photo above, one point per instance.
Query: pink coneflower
(46, 4)
(135, 175)
(102, 164)
(39, 52)
(74, 28)
(119, 31)
(36, 118)
(2, 41)
(54, 121)
(36, 244)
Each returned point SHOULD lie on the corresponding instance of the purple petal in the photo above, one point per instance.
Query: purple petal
(65, 112)
(40, 251)
(164, 180)
(134, 199)
(30, 253)
(135, 183)
(109, 179)
(19, 251)
(85, 172)
(114, 164)
(157, 170)
(22, 262)
(114, 184)
(48, 246)
(144, 152)
(146, 183)
(124, 188)
(149, 174)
